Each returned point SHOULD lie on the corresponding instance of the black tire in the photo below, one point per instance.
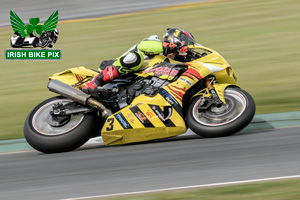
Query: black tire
(225, 120)
(48, 139)
(35, 42)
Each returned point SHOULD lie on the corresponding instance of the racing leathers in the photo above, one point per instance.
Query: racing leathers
(130, 62)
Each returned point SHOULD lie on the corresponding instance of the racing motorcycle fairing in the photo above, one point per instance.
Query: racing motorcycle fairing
(150, 117)
(153, 119)
(76, 76)
(142, 121)
(212, 63)
(157, 67)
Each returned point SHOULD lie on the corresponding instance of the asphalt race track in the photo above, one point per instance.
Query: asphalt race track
(176, 162)
(77, 9)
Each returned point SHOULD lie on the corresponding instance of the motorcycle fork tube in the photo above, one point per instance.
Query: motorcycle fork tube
(211, 89)
(209, 85)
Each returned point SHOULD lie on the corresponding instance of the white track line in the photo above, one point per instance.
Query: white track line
(188, 187)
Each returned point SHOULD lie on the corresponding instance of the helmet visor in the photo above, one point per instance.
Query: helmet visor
(187, 38)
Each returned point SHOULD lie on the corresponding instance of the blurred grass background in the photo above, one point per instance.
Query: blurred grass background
(260, 39)
(272, 190)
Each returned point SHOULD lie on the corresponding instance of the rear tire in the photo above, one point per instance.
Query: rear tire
(54, 139)
(224, 120)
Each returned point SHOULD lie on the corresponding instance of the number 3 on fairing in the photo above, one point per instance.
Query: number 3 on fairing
(111, 124)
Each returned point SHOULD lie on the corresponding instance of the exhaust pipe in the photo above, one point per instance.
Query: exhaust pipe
(66, 90)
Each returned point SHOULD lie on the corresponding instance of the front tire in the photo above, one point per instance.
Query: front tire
(73, 133)
(224, 120)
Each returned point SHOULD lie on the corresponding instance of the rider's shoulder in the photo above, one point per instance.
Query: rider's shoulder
(152, 38)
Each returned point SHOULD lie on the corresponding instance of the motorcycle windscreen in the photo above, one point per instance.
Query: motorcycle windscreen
(142, 122)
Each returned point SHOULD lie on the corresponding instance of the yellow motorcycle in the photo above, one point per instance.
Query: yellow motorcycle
(161, 100)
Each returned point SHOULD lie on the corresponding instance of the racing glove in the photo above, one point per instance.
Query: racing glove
(183, 50)
(108, 74)
(91, 86)
(169, 48)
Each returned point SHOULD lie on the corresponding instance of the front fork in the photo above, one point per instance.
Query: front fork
(212, 94)
(209, 96)
(211, 89)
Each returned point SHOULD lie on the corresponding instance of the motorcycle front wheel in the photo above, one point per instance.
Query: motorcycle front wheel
(49, 136)
(222, 120)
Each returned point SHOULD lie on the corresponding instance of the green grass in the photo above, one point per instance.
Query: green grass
(275, 190)
(260, 39)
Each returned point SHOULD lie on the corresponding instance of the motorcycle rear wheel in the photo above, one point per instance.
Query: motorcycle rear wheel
(46, 137)
(223, 120)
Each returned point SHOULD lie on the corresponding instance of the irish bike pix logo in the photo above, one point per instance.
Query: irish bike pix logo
(36, 38)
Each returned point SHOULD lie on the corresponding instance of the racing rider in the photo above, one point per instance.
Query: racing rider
(173, 46)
